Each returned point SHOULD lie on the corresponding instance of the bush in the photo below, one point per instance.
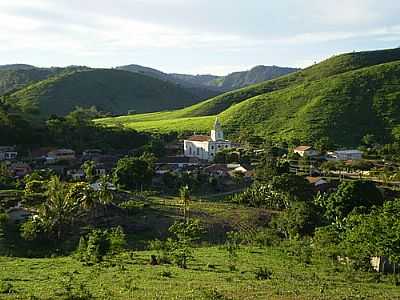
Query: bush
(263, 273)
(214, 294)
(6, 288)
(163, 249)
(185, 233)
(97, 244)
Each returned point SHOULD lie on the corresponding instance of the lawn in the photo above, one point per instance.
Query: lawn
(207, 277)
(147, 123)
(130, 275)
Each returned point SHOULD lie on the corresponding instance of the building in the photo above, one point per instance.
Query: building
(306, 151)
(345, 155)
(61, 155)
(205, 147)
(20, 169)
(8, 153)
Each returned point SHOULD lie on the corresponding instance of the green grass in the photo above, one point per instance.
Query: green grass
(196, 124)
(131, 277)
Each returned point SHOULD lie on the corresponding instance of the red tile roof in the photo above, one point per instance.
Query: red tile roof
(199, 138)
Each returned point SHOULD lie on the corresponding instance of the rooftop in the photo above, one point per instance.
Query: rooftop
(199, 138)
(303, 148)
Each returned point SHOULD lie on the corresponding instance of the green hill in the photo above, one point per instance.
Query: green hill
(339, 100)
(112, 91)
(14, 77)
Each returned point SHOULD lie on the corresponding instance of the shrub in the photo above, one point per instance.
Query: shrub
(185, 233)
(214, 294)
(6, 288)
(163, 249)
(263, 273)
(232, 246)
(97, 244)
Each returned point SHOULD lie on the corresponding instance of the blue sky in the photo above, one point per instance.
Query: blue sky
(192, 36)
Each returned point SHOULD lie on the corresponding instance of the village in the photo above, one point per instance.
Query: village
(220, 166)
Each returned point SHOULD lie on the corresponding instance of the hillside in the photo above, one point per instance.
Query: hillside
(196, 83)
(13, 77)
(17, 67)
(255, 75)
(112, 91)
(212, 82)
(340, 100)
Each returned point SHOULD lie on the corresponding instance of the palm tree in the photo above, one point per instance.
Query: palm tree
(184, 193)
(88, 168)
(59, 210)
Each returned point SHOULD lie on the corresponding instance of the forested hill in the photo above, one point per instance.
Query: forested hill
(113, 91)
(212, 82)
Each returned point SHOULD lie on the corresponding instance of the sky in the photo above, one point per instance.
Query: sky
(193, 36)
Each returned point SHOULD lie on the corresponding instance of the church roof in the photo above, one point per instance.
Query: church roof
(199, 138)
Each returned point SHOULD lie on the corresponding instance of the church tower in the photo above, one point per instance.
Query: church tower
(216, 133)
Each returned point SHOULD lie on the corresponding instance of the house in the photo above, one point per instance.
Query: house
(345, 155)
(20, 169)
(91, 153)
(77, 174)
(8, 153)
(179, 161)
(306, 151)
(61, 155)
(218, 170)
(205, 147)
(318, 183)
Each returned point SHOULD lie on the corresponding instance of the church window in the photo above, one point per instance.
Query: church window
(198, 151)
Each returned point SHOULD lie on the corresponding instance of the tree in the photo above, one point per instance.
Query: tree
(184, 235)
(375, 234)
(59, 210)
(105, 194)
(89, 168)
(298, 220)
(134, 172)
(184, 194)
(349, 195)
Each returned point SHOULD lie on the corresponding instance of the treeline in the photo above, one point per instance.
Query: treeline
(76, 131)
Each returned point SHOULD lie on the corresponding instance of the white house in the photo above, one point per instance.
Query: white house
(205, 147)
(345, 155)
(308, 151)
(8, 153)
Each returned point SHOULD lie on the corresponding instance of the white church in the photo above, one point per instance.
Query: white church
(205, 147)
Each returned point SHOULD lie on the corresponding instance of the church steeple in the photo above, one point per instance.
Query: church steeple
(216, 133)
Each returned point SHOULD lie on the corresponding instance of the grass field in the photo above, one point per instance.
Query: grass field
(130, 275)
(208, 277)
(162, 122)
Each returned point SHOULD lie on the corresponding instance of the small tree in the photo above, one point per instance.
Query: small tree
(232, 245)
(185, 233)
(184, 194)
